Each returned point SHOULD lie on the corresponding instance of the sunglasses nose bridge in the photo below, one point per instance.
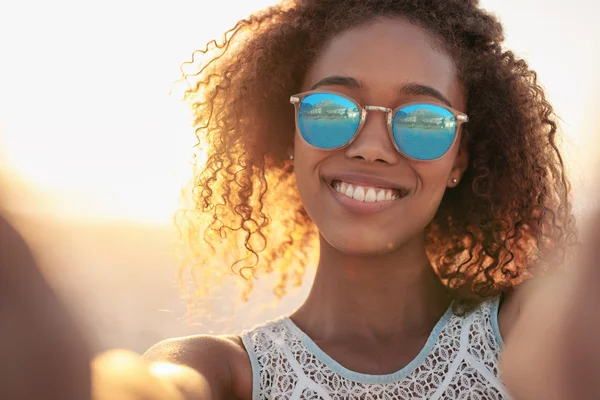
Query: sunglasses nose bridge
(377, 108)
(386, 110)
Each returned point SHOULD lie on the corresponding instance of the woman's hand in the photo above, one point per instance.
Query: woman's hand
(43, 355)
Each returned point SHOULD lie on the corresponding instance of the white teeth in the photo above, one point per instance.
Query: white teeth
(343, 187)
(365, 194)
(370, 196)
(359, 193)
(349, 190)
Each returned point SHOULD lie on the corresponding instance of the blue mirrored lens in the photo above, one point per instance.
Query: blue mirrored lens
(424, 131)
(327, 121)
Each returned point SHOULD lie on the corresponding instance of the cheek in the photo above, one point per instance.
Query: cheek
(306, 168)
(434, 176)
(433, 181)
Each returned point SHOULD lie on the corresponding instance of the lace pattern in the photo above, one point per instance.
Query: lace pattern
(459, 361)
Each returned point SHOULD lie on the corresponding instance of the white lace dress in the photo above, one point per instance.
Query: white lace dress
(459, 361)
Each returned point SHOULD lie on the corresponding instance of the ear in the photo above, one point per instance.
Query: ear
(461, 162)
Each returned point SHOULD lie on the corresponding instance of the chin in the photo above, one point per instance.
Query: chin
(359, 245)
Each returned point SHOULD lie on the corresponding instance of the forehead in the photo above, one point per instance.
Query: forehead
(383, 55)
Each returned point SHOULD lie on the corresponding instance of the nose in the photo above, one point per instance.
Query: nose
(373, 142)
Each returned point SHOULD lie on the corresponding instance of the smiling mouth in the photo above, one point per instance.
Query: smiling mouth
(367, 194)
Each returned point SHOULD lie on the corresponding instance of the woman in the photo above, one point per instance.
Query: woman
(425, 157)
(426, 166)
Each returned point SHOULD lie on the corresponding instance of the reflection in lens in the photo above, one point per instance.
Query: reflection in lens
(424, 131)
(327, 120)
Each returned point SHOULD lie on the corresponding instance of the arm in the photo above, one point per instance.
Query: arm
(220, 361)
(44, 355)
(120, 374)
(552, 331)
(196, 367)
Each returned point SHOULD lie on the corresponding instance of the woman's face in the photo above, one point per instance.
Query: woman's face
(379, 64)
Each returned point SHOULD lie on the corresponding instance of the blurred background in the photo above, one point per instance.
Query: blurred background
(94, 150)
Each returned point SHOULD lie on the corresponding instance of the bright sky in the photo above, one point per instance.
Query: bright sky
(86, 119)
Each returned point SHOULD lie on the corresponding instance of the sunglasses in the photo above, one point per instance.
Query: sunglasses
(421, 131)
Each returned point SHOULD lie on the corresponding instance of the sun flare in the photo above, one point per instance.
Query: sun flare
(88, 126)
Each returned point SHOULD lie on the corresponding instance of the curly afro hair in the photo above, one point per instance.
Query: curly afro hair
(510, 213)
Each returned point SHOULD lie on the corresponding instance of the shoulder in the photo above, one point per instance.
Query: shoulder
(222, 360)
(189, 348)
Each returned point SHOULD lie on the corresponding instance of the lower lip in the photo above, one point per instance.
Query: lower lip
(362, 207)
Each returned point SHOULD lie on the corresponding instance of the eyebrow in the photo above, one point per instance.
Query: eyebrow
(409, 88)
(416, 89)
(346, 81)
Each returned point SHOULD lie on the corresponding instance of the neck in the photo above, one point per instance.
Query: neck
(392, 295)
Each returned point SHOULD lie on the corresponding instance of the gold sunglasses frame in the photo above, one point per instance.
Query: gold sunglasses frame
(461, 118)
